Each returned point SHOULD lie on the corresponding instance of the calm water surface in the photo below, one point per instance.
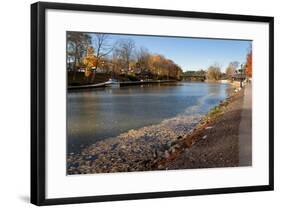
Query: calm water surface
(96, 114)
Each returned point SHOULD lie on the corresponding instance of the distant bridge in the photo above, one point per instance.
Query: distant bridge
(193, 77)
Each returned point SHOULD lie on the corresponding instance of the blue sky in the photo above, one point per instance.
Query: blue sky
(192, 53)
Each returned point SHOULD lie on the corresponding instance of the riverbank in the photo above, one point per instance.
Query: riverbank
(135, 150)
(120, 84)
(78, 79)
(215, 141)
(164, 146)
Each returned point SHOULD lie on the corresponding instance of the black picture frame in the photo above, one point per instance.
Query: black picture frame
(38, 102)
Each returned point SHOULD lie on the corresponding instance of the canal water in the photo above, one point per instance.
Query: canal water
(97, 114)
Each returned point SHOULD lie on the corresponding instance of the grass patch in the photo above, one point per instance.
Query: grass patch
(217, 110)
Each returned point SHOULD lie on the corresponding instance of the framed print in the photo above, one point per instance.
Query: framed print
(134, 103)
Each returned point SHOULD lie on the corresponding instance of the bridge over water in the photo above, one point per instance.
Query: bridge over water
(193, 77)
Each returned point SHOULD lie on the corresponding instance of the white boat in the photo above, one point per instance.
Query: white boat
(112, 83)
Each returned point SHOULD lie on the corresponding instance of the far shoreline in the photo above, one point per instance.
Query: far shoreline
(147, 82)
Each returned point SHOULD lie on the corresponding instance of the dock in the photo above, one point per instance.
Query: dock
(99, 85)
(121, 84)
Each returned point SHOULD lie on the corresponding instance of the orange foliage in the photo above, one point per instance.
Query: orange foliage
(155, 58)
(249, 64)
(89, 61)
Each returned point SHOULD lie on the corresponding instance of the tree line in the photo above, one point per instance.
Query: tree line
(96, 53)
(213, 72)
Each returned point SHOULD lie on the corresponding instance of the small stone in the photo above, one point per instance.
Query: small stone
(167, 154)
(173, 150)
(160, 166)
(113, 147)
(155, 154)
(204, 137)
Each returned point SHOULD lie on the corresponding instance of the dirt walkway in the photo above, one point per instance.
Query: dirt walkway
(245, 129)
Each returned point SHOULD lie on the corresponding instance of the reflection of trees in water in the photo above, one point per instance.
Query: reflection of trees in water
(82, 112)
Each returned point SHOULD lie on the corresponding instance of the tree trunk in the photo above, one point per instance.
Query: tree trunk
(75, 60)
(94, 72)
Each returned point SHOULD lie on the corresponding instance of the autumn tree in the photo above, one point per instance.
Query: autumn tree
(161, 67)
(96, 51)
(168, 67)
(89, 61)
(249, 68)
(155, 65)
(143, 57)
(213, 72)
(177, 72)
(106, 65)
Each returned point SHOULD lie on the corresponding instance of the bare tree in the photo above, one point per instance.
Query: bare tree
(77, 44)
(230, 70)
(214, 72)
(143, 58)
(102, 48)
(115, 60)
(126, 49)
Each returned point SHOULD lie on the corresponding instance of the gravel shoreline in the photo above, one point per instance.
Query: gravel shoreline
(135, 150)
(178, 143)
